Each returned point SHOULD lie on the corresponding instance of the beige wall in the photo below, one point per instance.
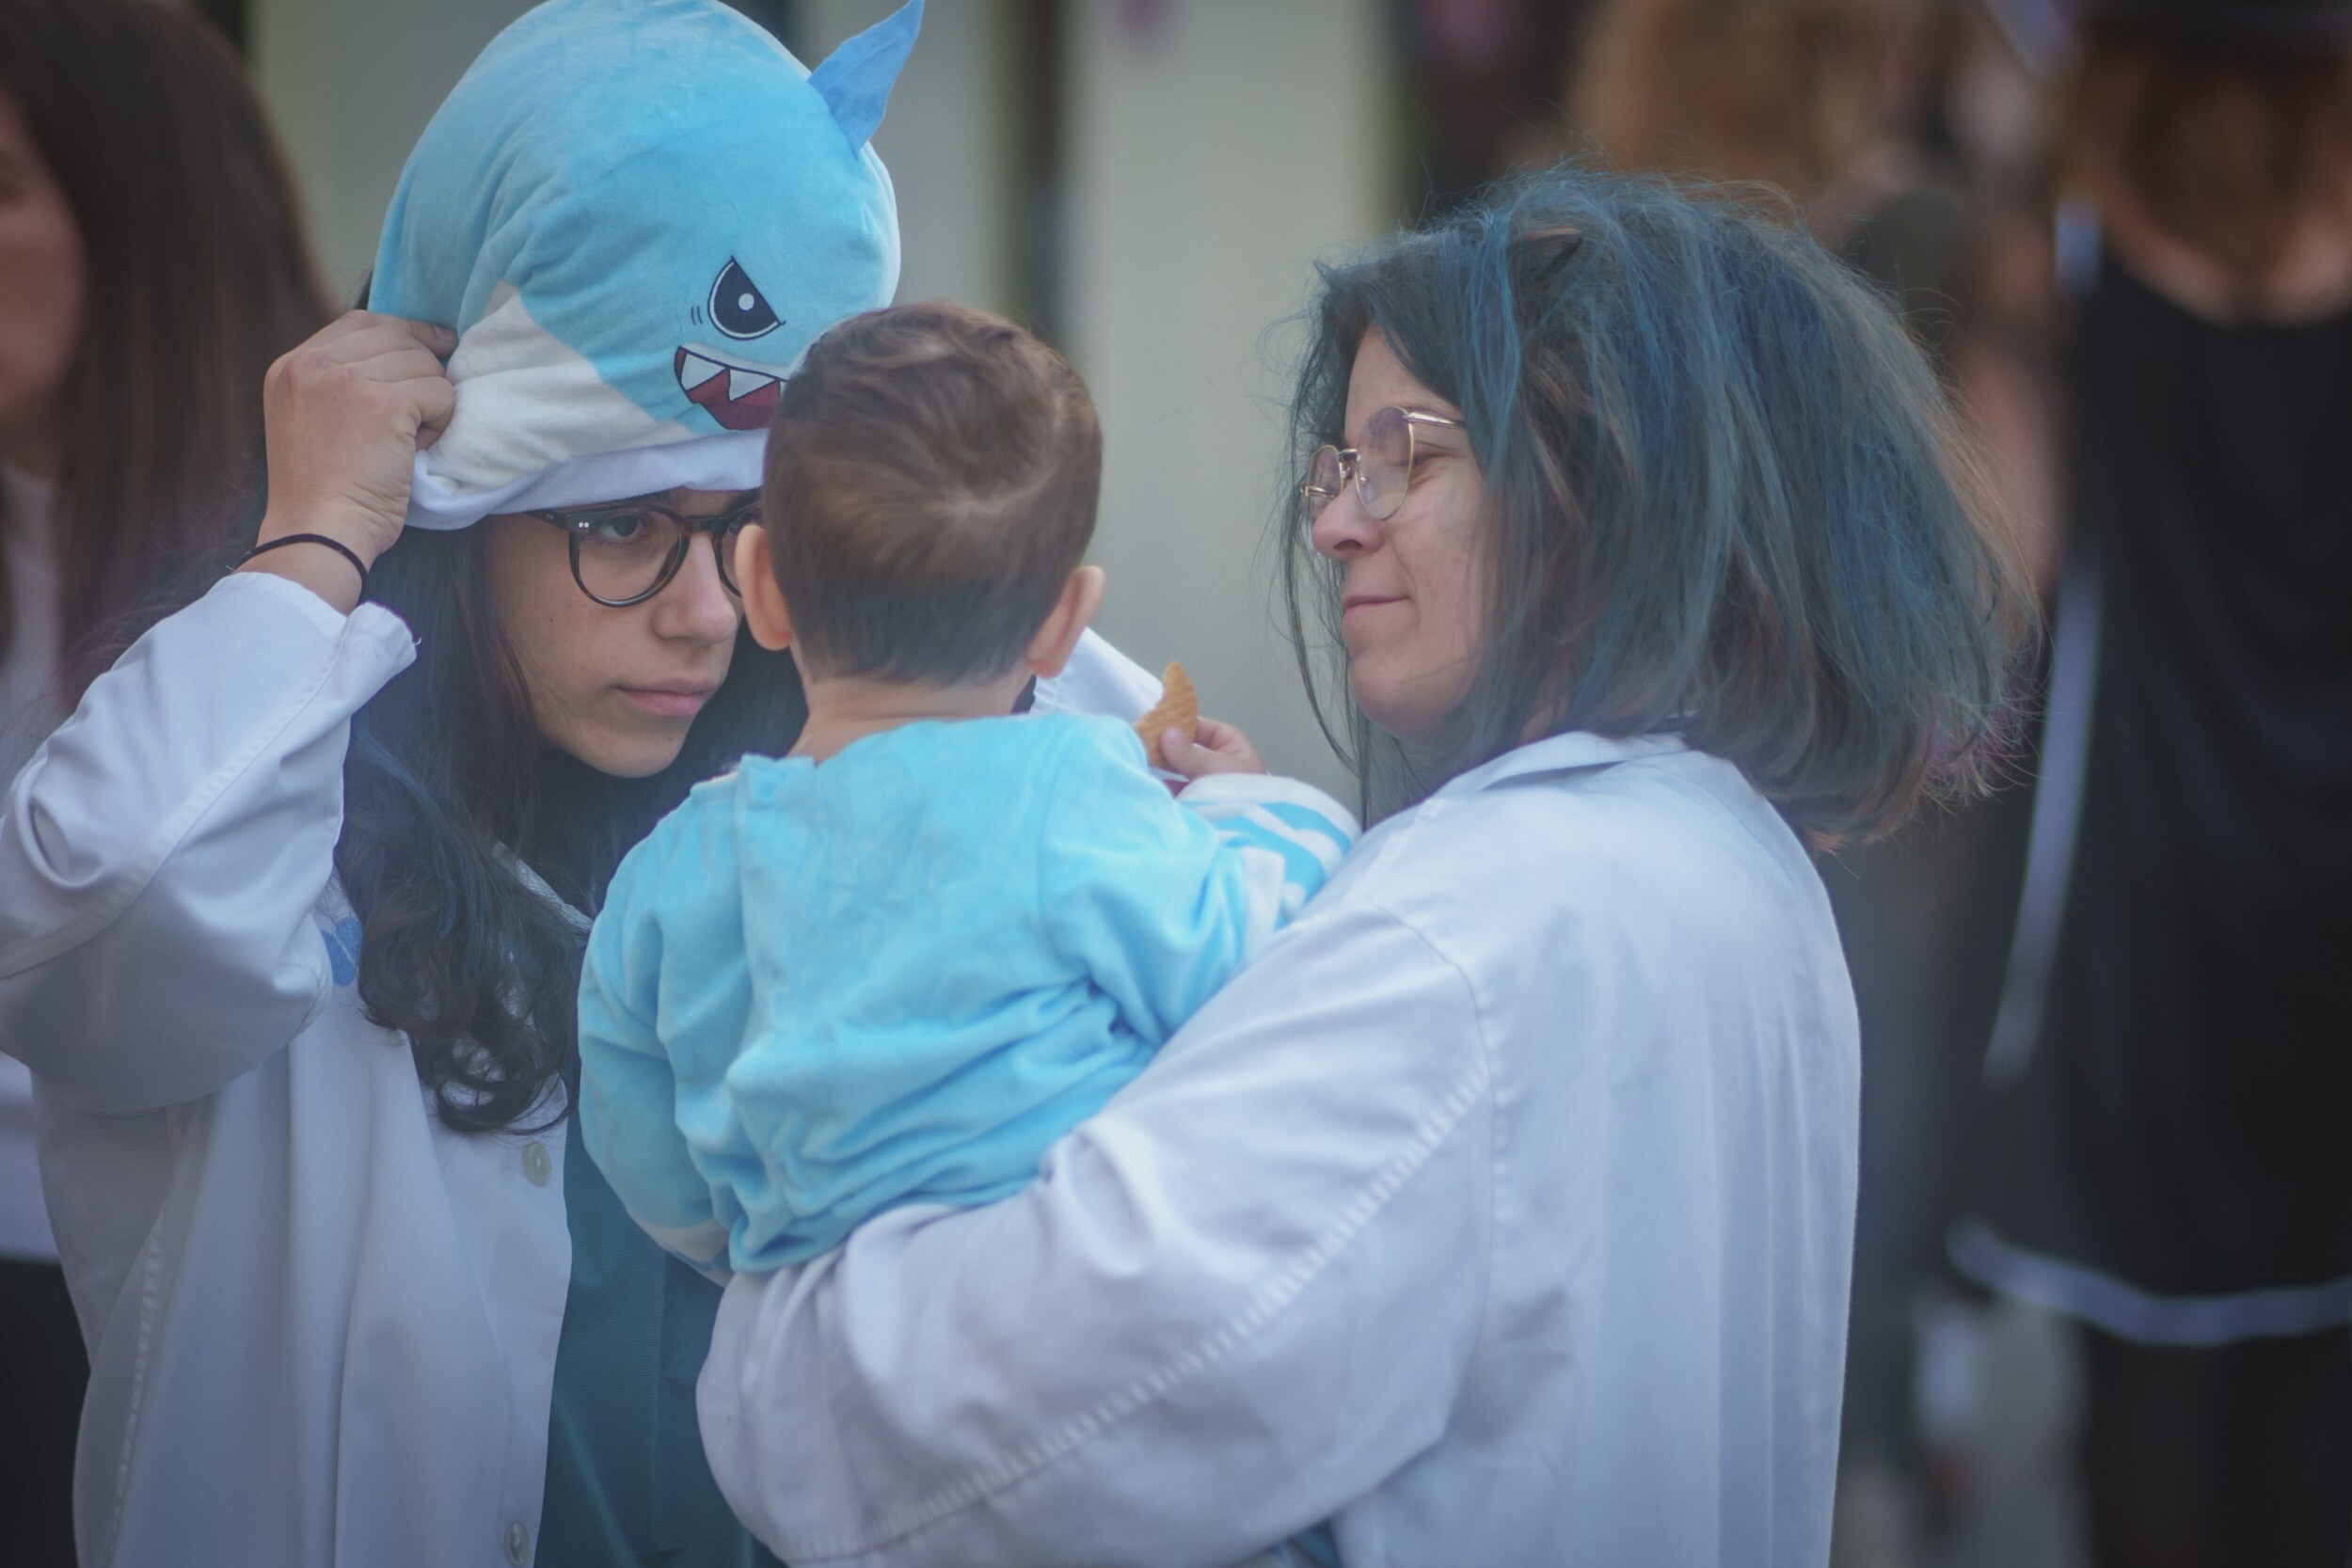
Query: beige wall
(1210, 161)
(351, 84)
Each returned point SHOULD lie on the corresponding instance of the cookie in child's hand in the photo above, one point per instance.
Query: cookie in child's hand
(1177, 709)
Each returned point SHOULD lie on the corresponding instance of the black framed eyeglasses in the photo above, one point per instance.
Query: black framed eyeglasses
(625, 553)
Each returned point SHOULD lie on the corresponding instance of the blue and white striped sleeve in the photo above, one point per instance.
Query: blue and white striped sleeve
(1165, 901)
(1288, 836)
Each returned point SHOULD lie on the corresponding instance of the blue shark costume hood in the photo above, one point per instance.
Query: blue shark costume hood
(637, 215)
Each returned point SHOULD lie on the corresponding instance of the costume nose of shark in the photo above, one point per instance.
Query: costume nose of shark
(738, 397)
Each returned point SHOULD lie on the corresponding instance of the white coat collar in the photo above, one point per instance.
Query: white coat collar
(1561, 753)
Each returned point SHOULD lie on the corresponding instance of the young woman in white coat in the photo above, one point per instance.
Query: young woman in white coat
(1501, 1212)
(151, 265)
(291, 907)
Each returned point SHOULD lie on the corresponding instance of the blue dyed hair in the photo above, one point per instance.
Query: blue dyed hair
(1723, 499)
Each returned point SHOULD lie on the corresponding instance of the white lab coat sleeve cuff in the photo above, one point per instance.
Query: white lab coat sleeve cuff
(1237, 1299)
(162, 856)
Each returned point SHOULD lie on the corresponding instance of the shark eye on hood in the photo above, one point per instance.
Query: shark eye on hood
(737, 307)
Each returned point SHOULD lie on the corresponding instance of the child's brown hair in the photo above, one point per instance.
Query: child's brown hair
(931, 482)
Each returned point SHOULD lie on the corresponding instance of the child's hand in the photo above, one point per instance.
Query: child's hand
(1214, 748)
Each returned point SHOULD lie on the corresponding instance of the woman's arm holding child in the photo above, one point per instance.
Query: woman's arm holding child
(1238, 1298)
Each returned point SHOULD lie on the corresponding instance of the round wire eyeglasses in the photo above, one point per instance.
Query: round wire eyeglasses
(1382, 467)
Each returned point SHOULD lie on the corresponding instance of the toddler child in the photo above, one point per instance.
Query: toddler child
(897, 965)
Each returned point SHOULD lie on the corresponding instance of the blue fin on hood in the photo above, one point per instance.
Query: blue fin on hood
(856, 78)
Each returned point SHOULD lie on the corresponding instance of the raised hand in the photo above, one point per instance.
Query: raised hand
(347, 411)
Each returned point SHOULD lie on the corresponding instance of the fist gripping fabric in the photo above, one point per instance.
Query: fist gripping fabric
(637, 215)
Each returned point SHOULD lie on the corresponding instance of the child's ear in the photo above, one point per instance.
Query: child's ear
(763, 601)
(1081, 596)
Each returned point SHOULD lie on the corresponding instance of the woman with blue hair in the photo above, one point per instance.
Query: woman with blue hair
(1501, 1212)
(290, 931)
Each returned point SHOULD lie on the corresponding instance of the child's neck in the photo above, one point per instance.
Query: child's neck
(843, 711)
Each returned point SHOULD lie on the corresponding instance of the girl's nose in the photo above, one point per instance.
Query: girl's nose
(696, 606)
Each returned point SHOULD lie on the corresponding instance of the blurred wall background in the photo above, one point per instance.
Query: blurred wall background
(1213, 148)
(351, 82)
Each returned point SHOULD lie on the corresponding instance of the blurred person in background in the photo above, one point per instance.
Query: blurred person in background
(151, 265)
(1813, 96)
(2171, 1168)
(1906, 135)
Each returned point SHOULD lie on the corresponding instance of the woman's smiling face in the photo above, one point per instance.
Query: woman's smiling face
(1413, 597)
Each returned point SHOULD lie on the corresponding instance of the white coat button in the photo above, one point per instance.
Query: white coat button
(537, 1166)
(518, 1538)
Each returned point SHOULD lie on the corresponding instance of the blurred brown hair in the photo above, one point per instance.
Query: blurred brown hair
(197, 277)
(1789, 91)
(2226, 151)
(931, 482)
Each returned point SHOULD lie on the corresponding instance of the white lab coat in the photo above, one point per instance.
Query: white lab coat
(322, 1324)
(1503, 1208)
(30, 676)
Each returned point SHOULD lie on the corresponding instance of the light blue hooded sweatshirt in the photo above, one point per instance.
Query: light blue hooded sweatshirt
(821, 991)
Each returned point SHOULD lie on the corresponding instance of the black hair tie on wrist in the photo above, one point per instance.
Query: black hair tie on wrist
(336, 545)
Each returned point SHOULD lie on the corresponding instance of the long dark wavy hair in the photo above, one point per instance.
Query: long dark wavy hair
(196, 276)
(1724, 498)
(454, 807)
